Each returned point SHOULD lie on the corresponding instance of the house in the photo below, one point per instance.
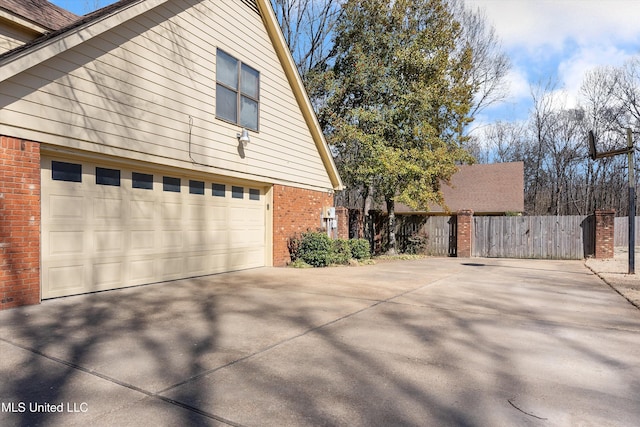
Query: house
(486, 189)
(148, 141)
(480, 189)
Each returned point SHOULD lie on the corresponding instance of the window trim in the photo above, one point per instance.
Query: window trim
(238, 92)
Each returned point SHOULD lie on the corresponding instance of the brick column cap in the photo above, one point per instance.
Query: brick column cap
(465, 212)
(605, 212)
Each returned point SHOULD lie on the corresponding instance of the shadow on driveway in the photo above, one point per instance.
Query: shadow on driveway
(424, 342)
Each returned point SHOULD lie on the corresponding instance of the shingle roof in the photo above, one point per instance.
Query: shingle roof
(77, 22)
(41, 12)
(485, 188)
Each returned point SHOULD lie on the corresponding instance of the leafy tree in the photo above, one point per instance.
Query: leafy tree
(399, 100)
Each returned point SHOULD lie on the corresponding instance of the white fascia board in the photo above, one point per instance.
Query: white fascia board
(15, 64)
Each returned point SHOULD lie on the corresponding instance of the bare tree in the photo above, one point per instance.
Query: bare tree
(307, 26)
(490, 63)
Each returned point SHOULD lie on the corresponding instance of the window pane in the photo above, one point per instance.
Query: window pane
(106, 176)
(142, 180)
(219, 190)
(249, 81)
(196, 187)
(227, 70)
(63, 171)
(226, 104)
(171, 184)
(237, 192)
(254, 194)
(249, 113)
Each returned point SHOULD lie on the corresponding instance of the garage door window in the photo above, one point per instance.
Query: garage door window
(106, 176)
(171, 184)
(63, 171)
(254, 194)
(237, 192)
(196, 187)
(219, 190)
(142, 180)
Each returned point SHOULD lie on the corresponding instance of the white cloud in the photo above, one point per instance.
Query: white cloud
(572, 69)
(559, 40)
(518, 85)
(530, 24)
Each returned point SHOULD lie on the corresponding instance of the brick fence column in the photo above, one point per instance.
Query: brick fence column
(604, 233)
(342, 216)
(464, 237)
(19, 222)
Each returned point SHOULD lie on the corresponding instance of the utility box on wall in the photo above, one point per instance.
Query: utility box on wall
(329, 221)
(329, 212)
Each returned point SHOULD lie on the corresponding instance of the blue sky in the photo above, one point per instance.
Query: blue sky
(559, 40)
(545, 39)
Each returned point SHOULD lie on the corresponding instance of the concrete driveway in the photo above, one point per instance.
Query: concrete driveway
(433, 342)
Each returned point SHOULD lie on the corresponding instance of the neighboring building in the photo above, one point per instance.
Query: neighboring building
(486, 189)
(121, 161)
(481, 189)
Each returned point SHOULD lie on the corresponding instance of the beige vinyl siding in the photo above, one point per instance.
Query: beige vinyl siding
(148, 87)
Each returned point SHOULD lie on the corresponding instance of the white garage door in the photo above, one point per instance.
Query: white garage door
(107, 227)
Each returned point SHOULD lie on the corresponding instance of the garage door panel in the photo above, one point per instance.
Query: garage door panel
(142, 271)
(171, 239)
(142, 210)
(66, 243)
(108, 209)
(98, 237)
(65, 207)
(65, 279)
(171, 211)
(108, 275)
(142, 240)
(172, 267)
(108, 241)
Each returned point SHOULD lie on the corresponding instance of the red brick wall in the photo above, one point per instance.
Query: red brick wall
(342, 215)
(605, 220)
(295, 211)
(465, 233)
(19, 222)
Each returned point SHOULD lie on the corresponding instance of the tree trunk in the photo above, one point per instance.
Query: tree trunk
(391, 226)
(367, 223)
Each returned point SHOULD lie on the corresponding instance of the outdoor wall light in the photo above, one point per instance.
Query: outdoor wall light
(243, 137)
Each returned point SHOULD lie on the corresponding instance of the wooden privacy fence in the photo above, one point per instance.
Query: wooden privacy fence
(621, 231)
(542, 237)
(546, 237)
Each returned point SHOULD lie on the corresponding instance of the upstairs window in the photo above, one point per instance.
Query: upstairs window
(237, 91)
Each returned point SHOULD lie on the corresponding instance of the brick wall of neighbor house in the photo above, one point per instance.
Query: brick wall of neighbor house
(295, 210)
(605, 220)
(19, 222)
(465, 233)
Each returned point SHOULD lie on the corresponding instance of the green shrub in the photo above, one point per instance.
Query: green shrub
(299, 263)
(315, 249)
(360, 249)
(341, 251)
(293, 244)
